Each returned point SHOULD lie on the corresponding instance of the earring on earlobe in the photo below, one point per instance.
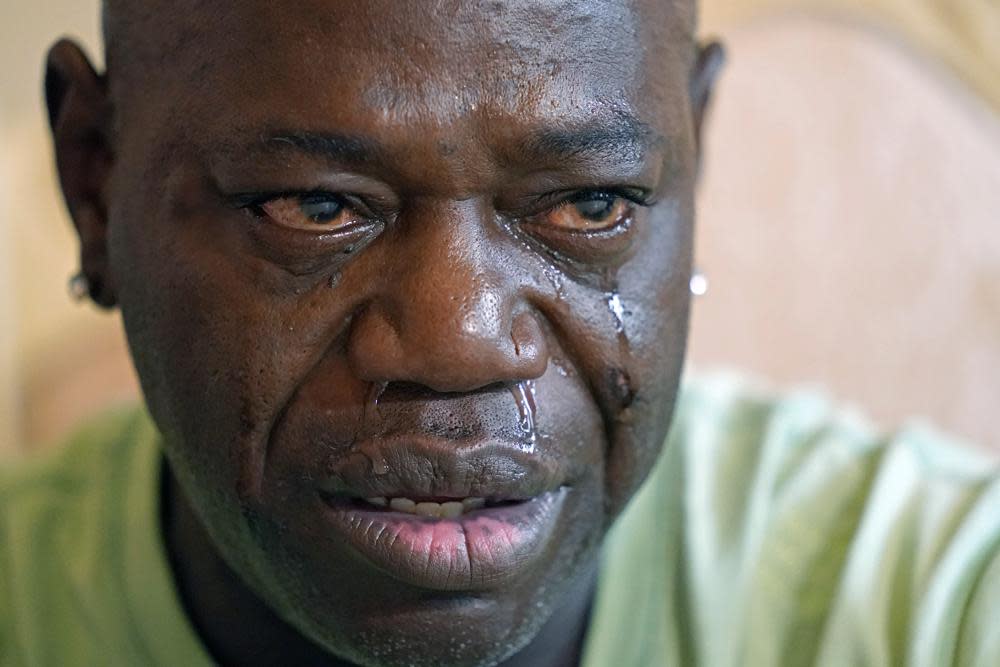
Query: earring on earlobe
(699, 283)
(79, 286)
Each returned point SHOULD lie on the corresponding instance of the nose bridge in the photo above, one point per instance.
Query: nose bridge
(452, 305)
(450, 289)
(477, 308)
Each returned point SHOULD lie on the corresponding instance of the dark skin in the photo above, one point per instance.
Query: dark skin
(343, 236)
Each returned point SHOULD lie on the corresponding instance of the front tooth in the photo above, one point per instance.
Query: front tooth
(429, 509)
(378, 501)
(453, 509)
(403, 505)
(470, 504)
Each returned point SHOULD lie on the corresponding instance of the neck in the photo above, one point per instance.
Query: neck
(217, 602)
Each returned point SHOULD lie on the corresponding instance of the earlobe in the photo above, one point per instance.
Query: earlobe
(79, 117)
(707, 66)
(91, 226)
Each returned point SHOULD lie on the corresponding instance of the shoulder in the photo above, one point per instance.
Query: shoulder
(58, 486)
(803, 438)
(61, 518)
(810, 536)
(92, 442)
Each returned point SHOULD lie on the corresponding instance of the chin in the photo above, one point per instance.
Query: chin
(374, 620)
(464, 636)
(437, 630)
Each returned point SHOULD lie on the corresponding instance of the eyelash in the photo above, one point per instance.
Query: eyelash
(554, 200)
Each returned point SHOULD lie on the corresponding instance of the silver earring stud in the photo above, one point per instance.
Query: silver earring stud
(79, 286)
(699, 283)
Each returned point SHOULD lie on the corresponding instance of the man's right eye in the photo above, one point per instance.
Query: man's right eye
(310, 212)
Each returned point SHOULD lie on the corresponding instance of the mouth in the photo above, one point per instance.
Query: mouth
(448, 543)
(443, 515)
(433, 508)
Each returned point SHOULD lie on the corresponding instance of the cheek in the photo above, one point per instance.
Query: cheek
(654, 299)
(658, 298)
(217, 355)
(628, 337)
(659, 288)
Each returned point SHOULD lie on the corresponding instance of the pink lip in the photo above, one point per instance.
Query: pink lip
(476, 551)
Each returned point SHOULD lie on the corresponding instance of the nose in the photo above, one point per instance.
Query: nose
(449, 315)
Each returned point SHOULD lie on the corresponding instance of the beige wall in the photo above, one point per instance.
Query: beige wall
(963, 34)
(28, 27)
(10, 422)
(849, 225)
(40, 332)
(847, 219)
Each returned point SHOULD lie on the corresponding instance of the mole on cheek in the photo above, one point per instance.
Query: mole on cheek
(446, 148)
(622, 390)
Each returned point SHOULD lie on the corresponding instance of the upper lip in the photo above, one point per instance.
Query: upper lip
(417, 466)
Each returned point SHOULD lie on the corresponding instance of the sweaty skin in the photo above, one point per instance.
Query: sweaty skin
(383, 249)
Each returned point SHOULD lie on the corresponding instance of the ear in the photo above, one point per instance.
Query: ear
(704, 74)
(80, 118)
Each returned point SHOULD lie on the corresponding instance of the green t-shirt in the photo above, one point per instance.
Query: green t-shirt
(771, 533)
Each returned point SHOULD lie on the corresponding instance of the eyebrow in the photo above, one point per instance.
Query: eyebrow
(623, 138)
(344, 148)
(619, 137)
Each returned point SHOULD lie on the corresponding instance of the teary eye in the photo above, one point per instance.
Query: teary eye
(310, 212)
(589, 211)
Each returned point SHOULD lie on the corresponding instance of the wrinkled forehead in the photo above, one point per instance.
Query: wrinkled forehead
(401, 60)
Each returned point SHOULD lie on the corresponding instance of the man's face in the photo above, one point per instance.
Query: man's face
(432, 252)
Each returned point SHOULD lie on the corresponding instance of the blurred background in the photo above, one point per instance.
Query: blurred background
(848, 224)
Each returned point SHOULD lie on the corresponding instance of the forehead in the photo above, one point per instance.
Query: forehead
(408, 56)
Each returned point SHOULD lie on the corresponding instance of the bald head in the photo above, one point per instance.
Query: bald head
(140, 33)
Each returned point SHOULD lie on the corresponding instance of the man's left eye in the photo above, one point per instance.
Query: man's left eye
(589, 212)
(309, 212)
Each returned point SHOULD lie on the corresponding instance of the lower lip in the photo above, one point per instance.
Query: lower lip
(481, 550)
